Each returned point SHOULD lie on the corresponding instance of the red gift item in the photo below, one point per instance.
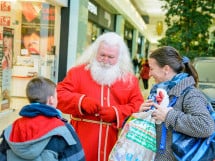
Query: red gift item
(160, 97)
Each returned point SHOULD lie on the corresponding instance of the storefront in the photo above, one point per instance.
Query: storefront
(99, 21)
(29, 41)
(128, 36)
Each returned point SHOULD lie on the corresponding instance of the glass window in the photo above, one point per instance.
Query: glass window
(27, 44)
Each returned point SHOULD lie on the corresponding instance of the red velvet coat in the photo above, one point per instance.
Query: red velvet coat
(97, 137)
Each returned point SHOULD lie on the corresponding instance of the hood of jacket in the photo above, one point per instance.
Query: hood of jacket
(33, 148)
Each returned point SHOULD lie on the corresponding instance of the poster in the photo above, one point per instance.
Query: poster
(5, 19)
(5, 6)
(37, 28)
(6, 66)
(1, 56)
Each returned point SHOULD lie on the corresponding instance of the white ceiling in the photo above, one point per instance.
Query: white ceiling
(151, 8)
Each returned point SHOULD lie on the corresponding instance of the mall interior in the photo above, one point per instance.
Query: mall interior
(45, 37)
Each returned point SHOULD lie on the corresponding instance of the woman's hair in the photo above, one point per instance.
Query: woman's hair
(39, 89)
(111, 39)
(168, 55)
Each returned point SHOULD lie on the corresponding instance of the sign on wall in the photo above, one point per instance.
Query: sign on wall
(38, 21)
(6, 56)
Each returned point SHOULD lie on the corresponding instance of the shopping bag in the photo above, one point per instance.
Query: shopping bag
(137, 140)
(194, 149)
(187, 148)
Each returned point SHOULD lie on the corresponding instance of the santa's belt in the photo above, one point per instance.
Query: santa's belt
(91, 121)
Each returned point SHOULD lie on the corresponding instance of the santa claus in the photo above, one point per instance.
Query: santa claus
(100, 92)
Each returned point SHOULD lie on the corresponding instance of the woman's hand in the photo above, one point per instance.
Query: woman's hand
(160, 112)
(146, 106)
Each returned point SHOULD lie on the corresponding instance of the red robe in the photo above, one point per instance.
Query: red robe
(97, 138)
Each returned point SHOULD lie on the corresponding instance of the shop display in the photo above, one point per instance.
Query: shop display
(26, 46)
(37, 30)
(6, 67)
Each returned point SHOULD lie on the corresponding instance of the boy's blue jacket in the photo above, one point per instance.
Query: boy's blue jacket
(40, 135)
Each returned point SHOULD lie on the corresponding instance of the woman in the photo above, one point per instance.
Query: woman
(189, 115)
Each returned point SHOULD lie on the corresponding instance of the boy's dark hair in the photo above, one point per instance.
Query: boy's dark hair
(39, 89)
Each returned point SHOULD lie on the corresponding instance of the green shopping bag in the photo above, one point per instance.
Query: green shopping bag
(137, 140)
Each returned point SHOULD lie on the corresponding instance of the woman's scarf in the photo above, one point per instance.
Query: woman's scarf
(166, 86)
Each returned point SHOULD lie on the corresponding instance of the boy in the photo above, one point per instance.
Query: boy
(41, 133)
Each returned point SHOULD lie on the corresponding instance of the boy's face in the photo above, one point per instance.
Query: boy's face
(52, 100)
(55, 101)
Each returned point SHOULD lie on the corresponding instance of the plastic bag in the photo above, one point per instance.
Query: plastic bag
(137, 140)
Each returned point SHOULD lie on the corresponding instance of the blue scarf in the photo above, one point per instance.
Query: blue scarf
(166, 86)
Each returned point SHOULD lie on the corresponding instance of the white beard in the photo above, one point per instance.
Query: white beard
(105, 74)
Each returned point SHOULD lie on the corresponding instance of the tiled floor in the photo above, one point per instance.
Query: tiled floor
(8, 116)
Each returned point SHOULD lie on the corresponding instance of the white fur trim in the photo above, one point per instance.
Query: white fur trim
(79, 104)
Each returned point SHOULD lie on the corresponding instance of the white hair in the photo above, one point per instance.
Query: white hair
(111, 39)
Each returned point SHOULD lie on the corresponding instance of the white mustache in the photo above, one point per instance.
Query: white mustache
(105, 65)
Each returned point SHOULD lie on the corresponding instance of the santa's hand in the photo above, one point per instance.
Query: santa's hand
(107, 114)
(90, 106)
